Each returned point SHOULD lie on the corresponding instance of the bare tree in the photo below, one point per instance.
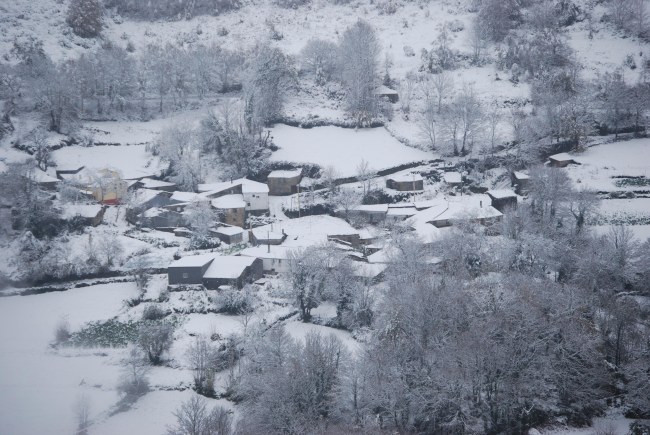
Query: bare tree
(155, 339)
(365, 175)
(319, 57)
(133, 381)
(194, 418)
(359, 54)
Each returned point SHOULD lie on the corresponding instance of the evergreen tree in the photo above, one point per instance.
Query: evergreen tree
(85, 17)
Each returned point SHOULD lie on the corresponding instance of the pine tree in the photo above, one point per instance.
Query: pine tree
(85, 17)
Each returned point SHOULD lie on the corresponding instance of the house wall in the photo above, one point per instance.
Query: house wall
(166, 220)
(283, 186)
(234, 216)
(503, 204)
(405, 186)
(186, 275)
(236, 238)
(256, 201)
(276, 265)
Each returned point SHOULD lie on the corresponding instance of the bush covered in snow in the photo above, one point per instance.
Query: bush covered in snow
(234, 301)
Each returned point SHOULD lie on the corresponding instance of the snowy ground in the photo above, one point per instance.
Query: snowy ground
(600, 163)
(38, 388)
(343, 148)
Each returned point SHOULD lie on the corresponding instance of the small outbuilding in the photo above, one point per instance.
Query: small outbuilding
(520, 182)
(503, 199)
(561, 160)
(405, 182)
(371, 213)
(230, 235)
(232, 270)
(86, 214)
(161, 219)
(452, 178)
(284, 182)
(387, 93)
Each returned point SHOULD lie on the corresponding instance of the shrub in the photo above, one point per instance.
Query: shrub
(234, 301)
(155, 339)
(85, 17)
(62, 331)
(153, 312)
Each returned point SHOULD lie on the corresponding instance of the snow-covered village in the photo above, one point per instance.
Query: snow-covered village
(328, 217)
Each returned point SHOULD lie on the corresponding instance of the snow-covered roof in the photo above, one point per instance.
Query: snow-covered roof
(372, 208)
(229, 231)
(229, 201)
(141, 196)
(521, 176)
(318, 224)
(84, 210)
(43, 177)
(562, 157)
(452, 177)
(406, 178)
(286, 173)
(179, 196)
(276, 252)
(457, 207)
(385, 90)
(193, 261)
(150, 183)
(501, 193)
(228, 267)
(265, 233)
(369, 270)
(401, 211)
(247, 186)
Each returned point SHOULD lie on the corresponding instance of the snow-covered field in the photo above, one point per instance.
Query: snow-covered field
(38, 388)
(343, 148)
(132, 161)
(600, 163)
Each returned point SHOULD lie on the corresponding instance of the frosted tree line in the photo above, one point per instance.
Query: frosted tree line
(500, 335)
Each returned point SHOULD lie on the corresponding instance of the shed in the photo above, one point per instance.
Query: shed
(189, 270)
(44, 180)
(405, 182)
(520, 182)
(232, 270)
(230, 235)
(161, 218)
(561, 160)
(372, 213)
(284, 182)
(387, 93)
(399, 212)
(503, 199)
(452, 178)
(88, 214)
(266, 236)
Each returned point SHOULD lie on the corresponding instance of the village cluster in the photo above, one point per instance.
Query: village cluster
(265, 245)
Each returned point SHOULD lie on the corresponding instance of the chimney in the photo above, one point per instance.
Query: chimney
(480, 204)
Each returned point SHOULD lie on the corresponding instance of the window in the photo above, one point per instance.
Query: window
(186, 275)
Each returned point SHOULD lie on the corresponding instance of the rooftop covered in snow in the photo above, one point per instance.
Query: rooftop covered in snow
(228, 267)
